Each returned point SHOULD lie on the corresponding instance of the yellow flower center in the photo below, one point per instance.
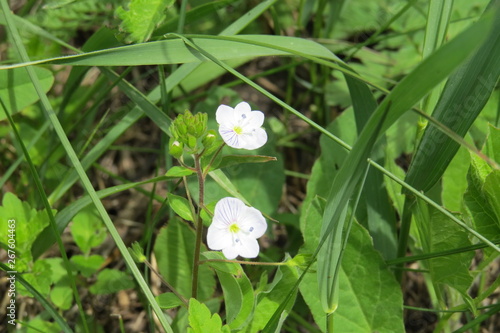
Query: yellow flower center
(234, 228)
(238, 130)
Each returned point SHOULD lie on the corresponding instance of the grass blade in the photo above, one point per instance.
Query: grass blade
(463, 98)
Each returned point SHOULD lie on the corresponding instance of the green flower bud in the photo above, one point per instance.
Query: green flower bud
(209, 139)
(175, 148)
(137, 253)
(191, 142)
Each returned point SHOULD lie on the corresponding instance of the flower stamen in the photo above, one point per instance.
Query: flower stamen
(238, 130)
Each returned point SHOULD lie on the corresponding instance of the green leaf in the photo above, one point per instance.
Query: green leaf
(202, 321)
(370, 299)
(174, 251)
(492, 191)
(175, 51)
(62, 297)
(17, 91)
(28, 224)
(110, 281)
(40, 278)
(268, 300)
(230, 160)
(237, 290)
(88, 230)
(455, 181)
(438, 233)
(462, 99)
(87, 265)
(168, 300)
(181, 206)
(142, 18)
(178, 171)
(478, 207)
(403, 97)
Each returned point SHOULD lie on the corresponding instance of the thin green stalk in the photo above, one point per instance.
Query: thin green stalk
(199, 225)
(329, 322)
(404, 233)
(255, 263)
(169, 286)
(46, 106)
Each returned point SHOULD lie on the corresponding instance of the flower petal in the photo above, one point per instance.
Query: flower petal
(230, 252)
(256, 139)
(254, 120)
(224, 115)
(229, 136)
(253, 223)
(228, 210)
(243, 107)
(248, 247)
(218, 238)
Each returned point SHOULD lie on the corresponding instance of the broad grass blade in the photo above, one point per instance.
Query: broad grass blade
(405, 95)
(463, 98)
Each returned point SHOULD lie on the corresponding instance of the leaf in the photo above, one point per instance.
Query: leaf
(174, 51)
(370, 299)
(178, 171)
(174, 251)
(268, 301)
(237, 290)
(478, 207)
(142, 18)
(28, 224)
(461, 101)
(88, 230)
(40, 278)
(438, 233)
(168, 300)
(404, 96)
(62, 297)
(17, 91)
(202, 321)
(181, 206)
(87, 265)
(110, 281)
(230, 160)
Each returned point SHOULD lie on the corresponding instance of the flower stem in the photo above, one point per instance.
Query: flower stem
(207, 169)
(245, 262)
(169, 286)
(199, 225)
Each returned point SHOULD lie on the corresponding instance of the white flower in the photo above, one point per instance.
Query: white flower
(235, 229)
(241, 127)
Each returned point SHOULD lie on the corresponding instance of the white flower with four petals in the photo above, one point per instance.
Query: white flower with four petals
(241, 127)
(235, 229)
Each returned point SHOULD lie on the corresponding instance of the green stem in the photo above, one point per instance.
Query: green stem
(207, 169)
(199, 226)
(169, 286)
(404, 233)
(329, 322)
(245, 262)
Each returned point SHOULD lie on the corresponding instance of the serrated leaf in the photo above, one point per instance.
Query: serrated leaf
(88, 230)
(174, 251)
(110, 281)
(142, 17)
(438, 233)
(62, 297)
(168, 300)
(181, 206)
(87, 265)
(476, 201)
(202, 321)
(29, 223)
(39, 277)
(17, 91)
